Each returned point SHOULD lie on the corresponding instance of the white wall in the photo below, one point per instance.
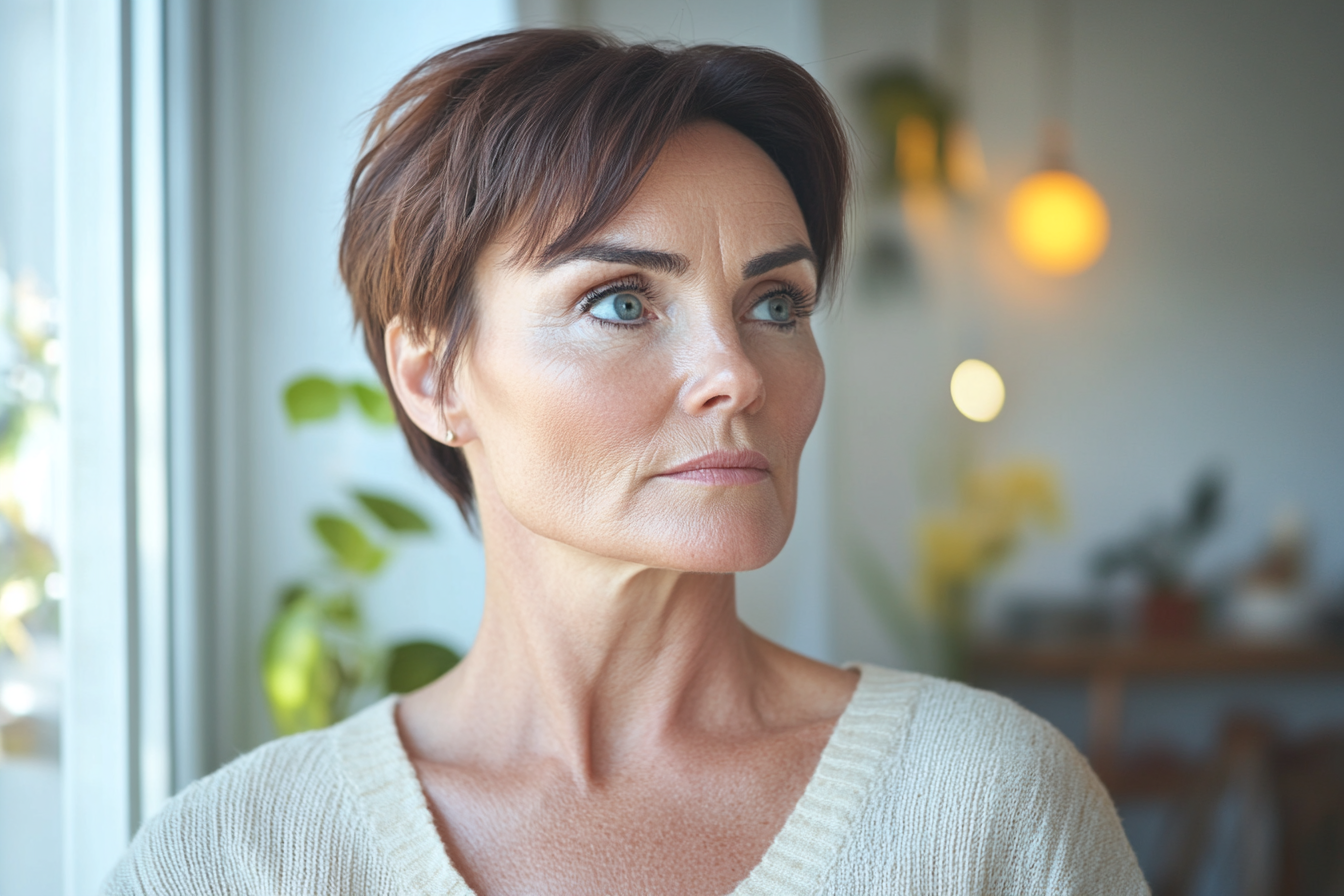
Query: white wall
(1211, 330)
(292, 82)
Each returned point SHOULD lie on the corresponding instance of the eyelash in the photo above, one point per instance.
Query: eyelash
(803, 304)
(633, 283)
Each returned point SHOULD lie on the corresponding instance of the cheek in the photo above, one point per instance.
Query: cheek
(572, 432)
(566, 426)
(795, 382)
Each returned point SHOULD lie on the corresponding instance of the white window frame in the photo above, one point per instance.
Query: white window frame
(128, 151)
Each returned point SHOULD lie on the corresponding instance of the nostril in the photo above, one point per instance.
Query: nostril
(726, 380)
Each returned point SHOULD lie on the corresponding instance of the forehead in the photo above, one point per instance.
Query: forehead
(711, 175)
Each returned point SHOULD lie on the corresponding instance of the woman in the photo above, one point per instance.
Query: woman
(584, 271)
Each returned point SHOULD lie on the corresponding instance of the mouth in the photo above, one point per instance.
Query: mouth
(722, 468)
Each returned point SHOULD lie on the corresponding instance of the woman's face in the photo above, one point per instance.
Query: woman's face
(647, 397)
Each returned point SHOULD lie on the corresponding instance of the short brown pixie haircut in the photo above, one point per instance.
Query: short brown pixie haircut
(546, 134)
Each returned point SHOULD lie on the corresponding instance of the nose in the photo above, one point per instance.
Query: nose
(723, 378)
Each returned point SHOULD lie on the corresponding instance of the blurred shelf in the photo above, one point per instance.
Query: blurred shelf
(1158, 777)
(1153, 658)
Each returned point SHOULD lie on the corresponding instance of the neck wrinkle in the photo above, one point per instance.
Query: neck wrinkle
(603, 662)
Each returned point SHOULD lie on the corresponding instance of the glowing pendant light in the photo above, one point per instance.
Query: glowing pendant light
(1056, 221)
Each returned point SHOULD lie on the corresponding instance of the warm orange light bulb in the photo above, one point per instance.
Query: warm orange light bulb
(1057, 223)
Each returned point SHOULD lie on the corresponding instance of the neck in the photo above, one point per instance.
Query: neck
(594, 662)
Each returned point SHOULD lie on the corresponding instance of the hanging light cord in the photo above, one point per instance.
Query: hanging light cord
(954, 28)
(1056, 69)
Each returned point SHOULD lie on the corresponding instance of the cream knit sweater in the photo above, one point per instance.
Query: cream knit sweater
(926, 788)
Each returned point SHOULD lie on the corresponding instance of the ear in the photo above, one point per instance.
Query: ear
(412, 367)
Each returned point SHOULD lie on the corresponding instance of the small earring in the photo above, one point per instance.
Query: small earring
(448, 436)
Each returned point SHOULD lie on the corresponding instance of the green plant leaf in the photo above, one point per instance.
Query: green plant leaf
(299, 673)
(343, 610)
(372, 402)
(291, 593)
(352, 548)
(393, 514)
(314, 657)
(310, 398)
(414, 664)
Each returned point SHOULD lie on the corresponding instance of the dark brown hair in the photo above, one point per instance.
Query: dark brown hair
(549, 131)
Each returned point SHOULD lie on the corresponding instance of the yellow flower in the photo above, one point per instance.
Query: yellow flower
(957, 549)
(1032, 488)
(17, 597)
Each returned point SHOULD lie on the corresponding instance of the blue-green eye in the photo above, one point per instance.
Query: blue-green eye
(620, 306)
(776, 308)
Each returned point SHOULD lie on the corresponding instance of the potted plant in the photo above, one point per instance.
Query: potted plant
(1159, 557)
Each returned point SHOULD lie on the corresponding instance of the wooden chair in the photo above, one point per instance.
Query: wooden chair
(1288, 803)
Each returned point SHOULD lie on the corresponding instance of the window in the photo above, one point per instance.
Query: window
(31, 469)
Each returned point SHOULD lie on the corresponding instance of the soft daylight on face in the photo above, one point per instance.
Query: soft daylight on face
(648, 411)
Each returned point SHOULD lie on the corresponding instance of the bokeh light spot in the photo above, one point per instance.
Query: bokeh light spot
(977, 390)
(18, 698)
(1057, 222)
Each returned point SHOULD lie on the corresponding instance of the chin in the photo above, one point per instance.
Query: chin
(687, 529)
(728, 539)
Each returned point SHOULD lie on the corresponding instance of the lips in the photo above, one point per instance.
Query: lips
(722, 468)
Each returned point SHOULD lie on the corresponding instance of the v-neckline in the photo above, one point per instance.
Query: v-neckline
(868, 731)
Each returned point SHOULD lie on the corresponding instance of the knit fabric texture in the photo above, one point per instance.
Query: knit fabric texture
(925, 788)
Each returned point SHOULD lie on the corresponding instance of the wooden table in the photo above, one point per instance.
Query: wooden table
(1106, 667)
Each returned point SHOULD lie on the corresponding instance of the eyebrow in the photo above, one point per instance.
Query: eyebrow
(777, 259)
(650, 259)
(676, 263)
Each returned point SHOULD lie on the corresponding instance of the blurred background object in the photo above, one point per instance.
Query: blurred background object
(1159, 300)
(1270, 601)
(317, 659)
(1164, 363)
(977, 390)
(959, 548)
(31, 584)
(1158, 559)
(1056, 221)
(32, 435)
